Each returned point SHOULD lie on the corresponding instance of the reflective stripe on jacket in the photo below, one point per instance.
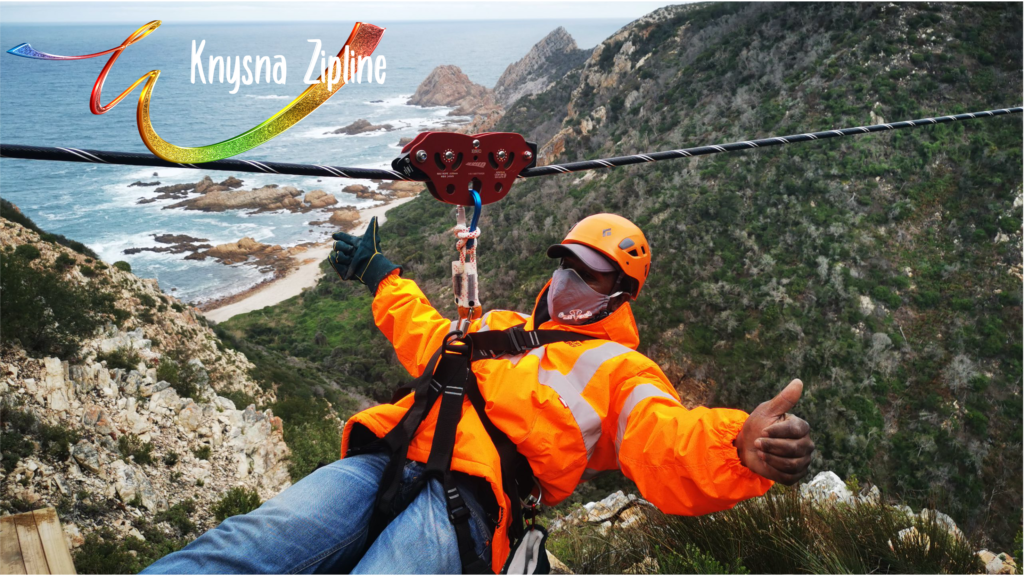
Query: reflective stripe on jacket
(573, 409)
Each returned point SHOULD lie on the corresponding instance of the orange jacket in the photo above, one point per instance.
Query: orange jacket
(573, 409)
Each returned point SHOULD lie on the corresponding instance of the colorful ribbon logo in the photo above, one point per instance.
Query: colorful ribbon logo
(362, 42)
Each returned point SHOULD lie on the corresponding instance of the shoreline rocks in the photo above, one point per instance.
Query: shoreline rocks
(267, 198)
(361, 126)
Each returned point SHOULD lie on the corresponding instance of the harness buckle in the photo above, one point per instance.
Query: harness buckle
(521, 339)
(457, 509)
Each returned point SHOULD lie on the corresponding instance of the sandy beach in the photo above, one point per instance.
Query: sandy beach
(305, 275)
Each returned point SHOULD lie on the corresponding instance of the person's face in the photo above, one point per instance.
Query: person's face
(600, 282)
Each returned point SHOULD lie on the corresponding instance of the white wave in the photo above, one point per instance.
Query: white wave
(399, 100)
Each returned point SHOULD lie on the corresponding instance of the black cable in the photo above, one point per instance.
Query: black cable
(67, 154)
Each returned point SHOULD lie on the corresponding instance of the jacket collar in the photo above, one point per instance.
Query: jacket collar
(619, 326)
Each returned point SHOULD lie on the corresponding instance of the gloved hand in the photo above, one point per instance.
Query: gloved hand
(360, 258)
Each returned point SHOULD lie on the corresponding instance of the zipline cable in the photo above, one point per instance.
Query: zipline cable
(67, 154)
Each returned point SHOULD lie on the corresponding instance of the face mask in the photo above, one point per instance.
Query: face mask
(572, 301)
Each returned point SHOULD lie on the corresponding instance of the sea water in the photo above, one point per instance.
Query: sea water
(46, 103)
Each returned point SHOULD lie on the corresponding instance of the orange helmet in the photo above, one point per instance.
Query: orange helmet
(614, 237)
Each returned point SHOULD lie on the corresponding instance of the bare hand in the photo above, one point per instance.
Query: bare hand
(775, 444)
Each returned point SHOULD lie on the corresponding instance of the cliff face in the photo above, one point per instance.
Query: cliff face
(148, 412)
(546, 62)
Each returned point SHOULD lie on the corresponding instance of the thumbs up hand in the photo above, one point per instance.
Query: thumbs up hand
(775, 444)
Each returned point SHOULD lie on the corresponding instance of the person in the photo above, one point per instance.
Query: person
(572, 408)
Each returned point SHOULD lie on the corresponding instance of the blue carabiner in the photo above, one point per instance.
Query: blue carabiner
(477, 208)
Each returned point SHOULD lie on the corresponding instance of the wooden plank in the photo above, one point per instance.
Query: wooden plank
(31, 546)
(58, 557)
(10, 550)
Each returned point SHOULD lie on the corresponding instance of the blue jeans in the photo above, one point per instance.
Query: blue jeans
(319, 525)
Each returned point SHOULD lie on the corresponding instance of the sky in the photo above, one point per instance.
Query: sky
(305, 10)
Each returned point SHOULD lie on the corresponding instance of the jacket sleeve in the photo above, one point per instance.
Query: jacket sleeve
(683, 461)
(410, 323)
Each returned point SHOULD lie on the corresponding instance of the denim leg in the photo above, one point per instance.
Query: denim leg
(316, 525)
(422, 540)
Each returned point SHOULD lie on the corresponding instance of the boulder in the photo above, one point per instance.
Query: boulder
(165, 401)
(319, 199)
(204, 184)
(1001, 563)
(826, 487)
(132, 383)
(87, 456)
(241, 251)
(53, 385)
(190, 417)
(345, 217)
(943, 520)
(266, 198)
(131, 482)
(91, 414)
(147, 390)
(356, 189)
(360, 126)
(402, 189)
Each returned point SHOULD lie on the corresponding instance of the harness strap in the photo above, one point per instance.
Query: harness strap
(516, 340)
(448, 376)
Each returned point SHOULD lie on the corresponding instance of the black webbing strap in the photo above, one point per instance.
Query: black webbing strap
(516, 340)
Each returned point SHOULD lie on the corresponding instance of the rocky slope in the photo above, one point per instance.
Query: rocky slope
(546, 62)
(102, 436)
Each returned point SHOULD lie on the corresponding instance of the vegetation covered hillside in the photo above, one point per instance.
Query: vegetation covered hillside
(883, 270)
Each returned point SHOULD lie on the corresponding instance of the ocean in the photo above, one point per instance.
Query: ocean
(46, 103)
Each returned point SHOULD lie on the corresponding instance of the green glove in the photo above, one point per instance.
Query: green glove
(360, 258)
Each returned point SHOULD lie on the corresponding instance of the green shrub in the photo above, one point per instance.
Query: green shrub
(779, 533)
(87, 271)
(104, 552)
(63, 262)
(19, 427)
(312, 443)
(15, 427)
(179, 516)
(131, 446)
(146, 300)
(183, 377)
(124, 358)
(171, 458)
(27, 252)
(237, 501)
(886, 296)
(178, 307)
(55, 441)
(45, 314)
(122, 265)
(203, 452)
